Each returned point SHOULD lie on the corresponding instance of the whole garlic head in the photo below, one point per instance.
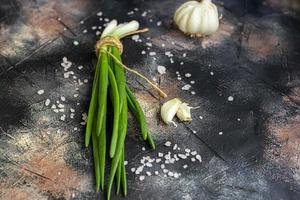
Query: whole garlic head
(197, 18)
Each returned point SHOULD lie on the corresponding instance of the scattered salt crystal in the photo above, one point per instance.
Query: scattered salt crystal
(98, 33)
(143, 52)
(168, 144)
(63, 117)
(187, 150)
(221, 133)
(162, 166)
(125, 162)
(157, 160)
(142, 178)
(81, 22)
(161, 69)
(144, 14)
(47, 102)
(176, 175)
(72, 115)
(75, 129)
(143, 148)
(170, 173)
(184, 55)
(63, 98)
(156, 173)
(194, 153)
(179, 78)
(193, 92)
(75, 42)
(99, 13)
(193, 159)
(230, 98)
(61, 105)
(158, 23)
(148, 173)
(198, 157)
(212, 73)
(106, 19)
(192, 82)
(61, 110)
(149, 44)
(163, 45)
(200, 117)
(185, 166)
(181, 63)
(139, 170)
(85, 80)
(186, 87)
(175, 147)
(182, 156)
(239, 119)
(40, 92)
(148, 164)
(152, 53)
(76, 95)
(84, 31)
(160, 154)
(188, 75)
(165, 171)
(132, 169)
(135, 38)
(53, 106)
(94, 27)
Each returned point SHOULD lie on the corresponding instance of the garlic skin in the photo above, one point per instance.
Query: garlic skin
(197, 18)
(169, 110)
(184, 112)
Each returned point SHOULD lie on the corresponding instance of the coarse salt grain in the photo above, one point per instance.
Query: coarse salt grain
(142, 178)
(125, 162)
(160, 154)
(188, 75)
(220, 133)
(156, 173)
(40, 92)
(161, 69)
(168, 144)
(152, 53)
(186, 87)
(170, 173)
(212, 73)
(230, 98)
(143, 148)
(47, 102)
(182, 156)
(185, 166)
(132, 169)
(75, 42)
(193, 159)
(158, 23)
(198, 157)
(143, 52)
(148, 173)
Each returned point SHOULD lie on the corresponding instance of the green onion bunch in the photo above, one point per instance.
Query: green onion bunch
(110, 85)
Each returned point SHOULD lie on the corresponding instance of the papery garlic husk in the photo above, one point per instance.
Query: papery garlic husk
(197, 18)
(184, 112)
(169, 109)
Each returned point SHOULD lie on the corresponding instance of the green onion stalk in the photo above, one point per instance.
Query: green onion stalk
(110, 85)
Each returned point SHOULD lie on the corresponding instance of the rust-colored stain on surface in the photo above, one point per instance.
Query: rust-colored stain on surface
(287, 137)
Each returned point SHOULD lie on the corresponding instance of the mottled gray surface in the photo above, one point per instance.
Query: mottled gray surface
(254, 57)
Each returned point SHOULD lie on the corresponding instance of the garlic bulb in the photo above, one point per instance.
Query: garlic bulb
(197, 18)
(169, 109)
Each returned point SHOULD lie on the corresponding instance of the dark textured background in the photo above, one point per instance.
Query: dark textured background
(254, 56)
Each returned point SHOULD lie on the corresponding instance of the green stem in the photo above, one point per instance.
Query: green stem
(120, 144)
(102, 150)
(103, 85)
(124, 179)
(93, 105)
(116, 105)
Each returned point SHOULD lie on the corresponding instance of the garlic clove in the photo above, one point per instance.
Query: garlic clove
(109, 28)
(169, 109)
(184, 112)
